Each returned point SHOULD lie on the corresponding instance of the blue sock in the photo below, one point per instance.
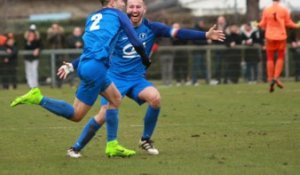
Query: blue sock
(87, 134)
(58, 107)
(112, 122)
(150, 121)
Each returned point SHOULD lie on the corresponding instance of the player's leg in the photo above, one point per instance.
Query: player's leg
(114, 100)
(81, 106)
(270, 60)
(270, 69)
(58, 107)
(113, 148)
(270, 49)
(111, 93)
(92, 82)
(144, 91)
(152, 97)
(94, 125)
(278, 68)
(88, 132)
(280, 63)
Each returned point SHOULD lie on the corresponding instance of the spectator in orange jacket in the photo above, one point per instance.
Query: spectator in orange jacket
(2, 40)
(274, 20)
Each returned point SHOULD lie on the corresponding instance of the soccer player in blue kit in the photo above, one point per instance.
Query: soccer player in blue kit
(128, 74)
(101, 32)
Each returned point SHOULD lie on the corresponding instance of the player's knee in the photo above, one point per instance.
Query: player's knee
(155, 101)
(116, 102)
(77, 117)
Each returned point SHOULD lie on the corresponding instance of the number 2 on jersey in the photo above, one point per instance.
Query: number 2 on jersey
(96, 20)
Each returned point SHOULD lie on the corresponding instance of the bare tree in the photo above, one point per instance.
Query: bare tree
(252, 10)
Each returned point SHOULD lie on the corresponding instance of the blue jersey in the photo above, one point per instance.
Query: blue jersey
(102, 30)
(125, 63)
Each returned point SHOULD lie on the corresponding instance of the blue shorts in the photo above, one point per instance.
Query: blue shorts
(130, 88)
(93, 80)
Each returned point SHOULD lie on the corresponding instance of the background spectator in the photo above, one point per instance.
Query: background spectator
(32, 28)
(3, 40)
(166, 58)
(9, 70)
(56, 40)
(219, 54)
(251, 54)
(32, 44)
(180, 60)
(74, 41)
(55, 36)
(199, 56)
(233, 56)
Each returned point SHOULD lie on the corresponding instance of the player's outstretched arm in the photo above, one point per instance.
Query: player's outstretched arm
(214, 34)
(187, 34)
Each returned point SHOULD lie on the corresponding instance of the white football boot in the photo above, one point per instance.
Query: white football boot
(147, 145)
(73, 154)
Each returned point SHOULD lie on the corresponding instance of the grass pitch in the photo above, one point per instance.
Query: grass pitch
(209, 130)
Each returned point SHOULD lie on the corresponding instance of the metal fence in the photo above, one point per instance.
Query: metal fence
(218, 61)
(51, 59)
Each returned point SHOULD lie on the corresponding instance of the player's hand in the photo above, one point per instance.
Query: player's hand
(147, 63)
(214, 34)
(64, 70)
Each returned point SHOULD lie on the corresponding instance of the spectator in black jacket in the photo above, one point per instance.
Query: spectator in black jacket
(74, 40)
(219, 56)
(251, 54)
(199, 56)
(3, 40)
(233, 56)
(33, 44)
(9, 61)
(295, 47)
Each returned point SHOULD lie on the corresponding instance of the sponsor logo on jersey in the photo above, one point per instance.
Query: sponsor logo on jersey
(129, 51)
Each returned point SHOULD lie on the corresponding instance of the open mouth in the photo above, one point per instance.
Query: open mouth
(135, 15)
